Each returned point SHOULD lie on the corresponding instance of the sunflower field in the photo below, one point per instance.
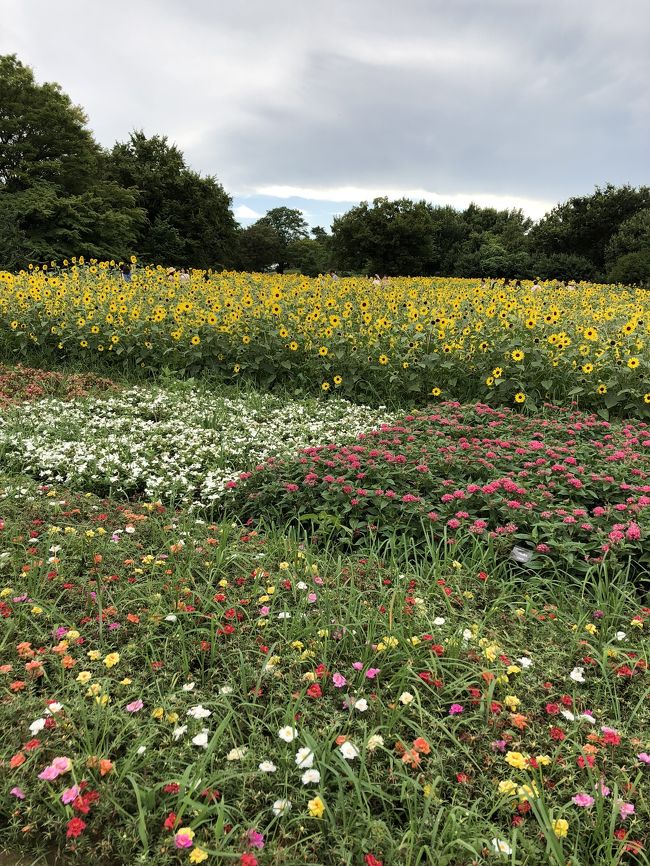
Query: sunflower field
(404, 339)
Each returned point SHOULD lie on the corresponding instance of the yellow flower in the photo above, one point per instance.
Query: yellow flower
(543, 760)
(325, 386)
(517, 760)
(36, 610)
(507, 787)
(436, 392)
(196, 340)
(157, 713)
(560, 827)
(511, 702)
(591, 628)
(323, 351)
(111, 660)
(633, 363)
(316, 807)
(198, 855)
(126, 681)
(517, 355)
(339, 379)
(383, 360)
(83, 677)
(520, 398)
(94, 655)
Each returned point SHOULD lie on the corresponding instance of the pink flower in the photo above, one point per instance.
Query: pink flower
(264, 611)
(49, 774)
(357, 666)
(602, 788)
(625, 810)
(371, 673)
(62, 765)
(645, 757)
(339, 680)
(183, 840)
(456, 709)
(70, 794)
(312, 597)
(583, 800)
(134, 706)
(255, 839)
(18, 792)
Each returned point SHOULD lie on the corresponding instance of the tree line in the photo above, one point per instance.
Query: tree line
(62, 195)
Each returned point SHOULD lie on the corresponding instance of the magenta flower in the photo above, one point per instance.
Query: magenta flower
(456, 709)
(357, 666)
(645, 757)
(183, 840)
(339, 680)
(18, 792)
(255, 839)
(583, 800)
(371, 673)
(134, 706)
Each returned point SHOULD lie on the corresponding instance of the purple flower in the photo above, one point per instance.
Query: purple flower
(499, 745)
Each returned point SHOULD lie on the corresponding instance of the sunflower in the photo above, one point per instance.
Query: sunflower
(602, 389)
(383, 360)
(519, 397)
(338, 380)
(517, 355)
(632, 363)
(325, 386)
(436, 392)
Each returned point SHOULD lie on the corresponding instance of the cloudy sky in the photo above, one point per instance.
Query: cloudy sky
(319, 105)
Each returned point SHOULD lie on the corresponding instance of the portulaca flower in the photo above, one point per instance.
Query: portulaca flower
(568, 715)
(467, 634)
(199, 712)
(439, 620)
(349, 750)
(374, 741)
(281, 807)
(37, 726)
(226, 690)
(620, 635)
(304, 758)
(267, 767)
(500, 846)
(177, 733)
(141, 750)
(310, 777)
(577, 675)
(525, 662)
(288, 734)
(237, 753)
(361, 705)
(171, 617)
(187, 687)
(405, 698)
(202, 739)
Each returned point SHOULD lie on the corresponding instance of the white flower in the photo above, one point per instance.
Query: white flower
(37, 726)
(374, 741)
(577, 675)
(304, 758)
(288, 734)
(361, 705)
(467, 634)
(349, 750)
(201, 739)
(568, 715)
(525, 662)
(310, 777)
(171, 617)
(620, 635)
(439, 620)
(54, 707)
(500, 846)
(141, 750)
(587, 718)
(226, 690)
(284, 615)
(177, 733)
(236, 754)
(301, 585)
(281, 807)
(199, 712)
(267, 767)
(188, 687)
(405, 698)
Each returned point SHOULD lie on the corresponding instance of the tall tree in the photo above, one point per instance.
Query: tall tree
(53, 200)
(290, 226)
(189, 220)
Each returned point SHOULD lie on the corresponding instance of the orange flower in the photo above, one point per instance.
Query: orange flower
(6, 669)
(35, 668)
(131, 617)
(519, 721)
(105, 767)
(60, 648)
(25, 650)
(97, 558)
(17, 686)
(488, 676)
(421, 745)
(411, 758)
(340, 739)
(17, 760)
(400, 748)
(68, 662)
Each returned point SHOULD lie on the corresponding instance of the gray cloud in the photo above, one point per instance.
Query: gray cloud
(511, 98)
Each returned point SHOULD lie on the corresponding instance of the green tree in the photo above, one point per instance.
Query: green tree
(54, 202)
(258, 248)
(290, 226)
(585, 225)
(628, 252)
(189, 220)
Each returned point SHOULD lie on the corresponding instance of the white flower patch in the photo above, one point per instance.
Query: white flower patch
(184, 445)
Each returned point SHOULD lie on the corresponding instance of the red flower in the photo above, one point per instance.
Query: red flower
(552, 709)
(172, 788)
(462, 778)
(248, 860)
(75, 828)
(371, 860)
(170, 821)
(315, 691)
(557, 734)
(567, 700)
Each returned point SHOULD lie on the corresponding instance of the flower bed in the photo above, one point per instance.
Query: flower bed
(571, 486)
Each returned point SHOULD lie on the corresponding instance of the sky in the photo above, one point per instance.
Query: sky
(319, 105)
